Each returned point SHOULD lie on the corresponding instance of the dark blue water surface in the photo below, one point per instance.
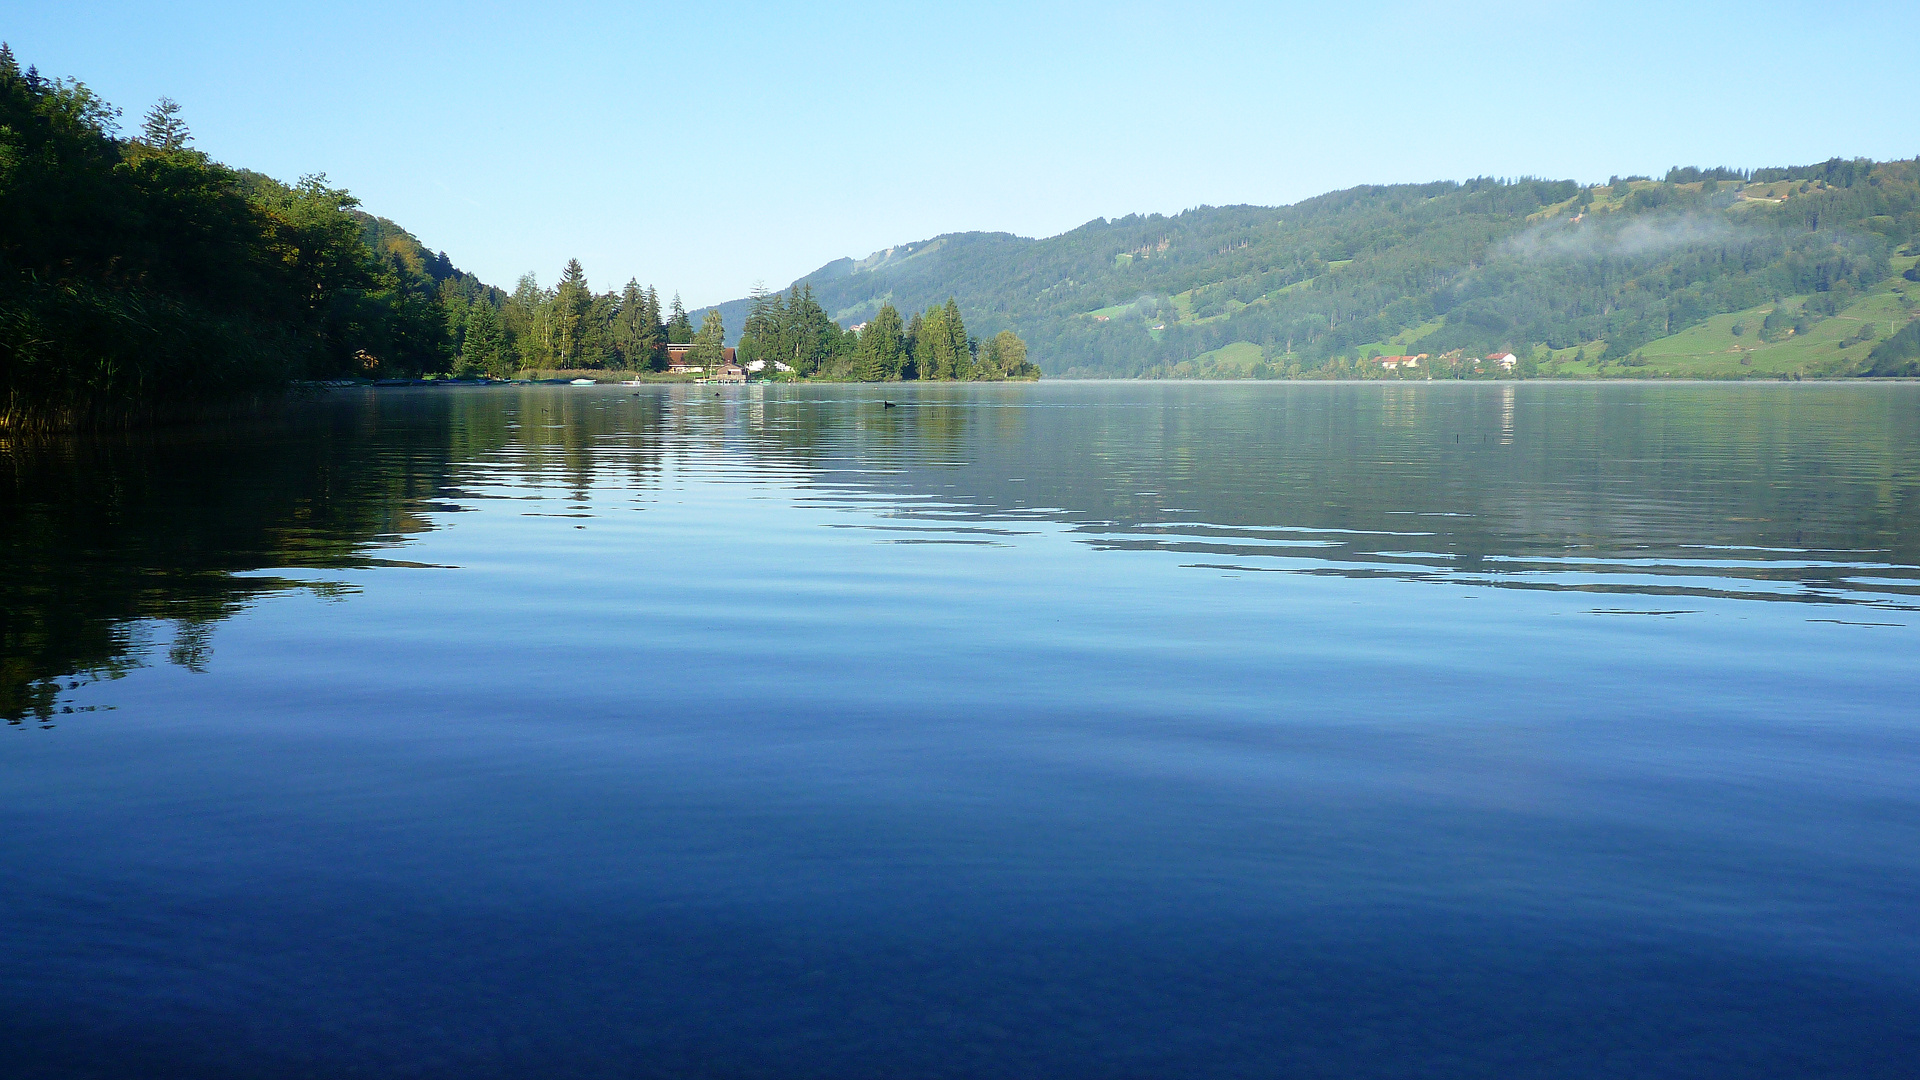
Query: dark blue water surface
(1038, 731)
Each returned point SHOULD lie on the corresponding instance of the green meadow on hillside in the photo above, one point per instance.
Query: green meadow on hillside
(1831, 346)
(1235, 361)
(1634, 277)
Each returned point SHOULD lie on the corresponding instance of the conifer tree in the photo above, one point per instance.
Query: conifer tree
(959, 350)
(655, 330)
(485, 345)
(572, 304)
(597, 329)
(914, 344)
(457, 311)
(637, 336)
(528, 316)
(879, 354)
(679, 327)
(626, 322)
(935, 347)
(786, 331)
(760, 334)
(816, 335)
(163, 129)
(709, 344)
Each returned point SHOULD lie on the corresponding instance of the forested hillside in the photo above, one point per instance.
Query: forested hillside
(140, 278)
(1802, 266)
(139, 275)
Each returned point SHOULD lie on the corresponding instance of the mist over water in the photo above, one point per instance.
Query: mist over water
(1047, 730)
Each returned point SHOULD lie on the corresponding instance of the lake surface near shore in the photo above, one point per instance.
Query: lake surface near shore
(1057, 730)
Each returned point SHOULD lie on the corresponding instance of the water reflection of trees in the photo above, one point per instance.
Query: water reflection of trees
(116, 548)
(109, 543)
(1764, 492)
(119, 548)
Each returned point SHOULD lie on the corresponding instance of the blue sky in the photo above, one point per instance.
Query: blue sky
(703, 147)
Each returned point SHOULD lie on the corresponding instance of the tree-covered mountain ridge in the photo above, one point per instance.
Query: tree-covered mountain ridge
(1790, 271)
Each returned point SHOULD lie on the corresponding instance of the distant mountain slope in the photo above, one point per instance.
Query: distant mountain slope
(1549, 269)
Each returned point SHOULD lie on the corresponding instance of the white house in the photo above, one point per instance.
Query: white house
(1505, 360)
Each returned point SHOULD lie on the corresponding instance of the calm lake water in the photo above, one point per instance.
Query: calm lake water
(1068, 730)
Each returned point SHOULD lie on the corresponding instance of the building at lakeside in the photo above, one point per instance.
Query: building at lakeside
(677, 360)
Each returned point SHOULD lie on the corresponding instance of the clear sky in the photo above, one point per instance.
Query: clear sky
(704, 146)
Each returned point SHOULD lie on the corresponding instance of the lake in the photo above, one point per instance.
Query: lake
(1056, 730)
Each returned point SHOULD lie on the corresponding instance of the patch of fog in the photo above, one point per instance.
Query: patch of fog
(1601, 239)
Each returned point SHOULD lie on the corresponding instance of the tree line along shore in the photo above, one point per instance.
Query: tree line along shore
(141, 279)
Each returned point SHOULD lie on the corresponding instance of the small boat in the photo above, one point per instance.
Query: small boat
(583, 382)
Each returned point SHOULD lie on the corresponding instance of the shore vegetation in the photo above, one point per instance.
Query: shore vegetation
(141, 279)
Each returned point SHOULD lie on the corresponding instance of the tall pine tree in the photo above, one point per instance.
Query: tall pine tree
(936, 344)
(163, 128)
(485, 348)
(958, 348)
(638, 328)
(760, 334)
(709, 344)
(572, 307)
(652, 319)
(914, 344)
(880, 354)
(679, 327)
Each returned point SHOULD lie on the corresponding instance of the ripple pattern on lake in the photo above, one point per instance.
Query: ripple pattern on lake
(1060, 730)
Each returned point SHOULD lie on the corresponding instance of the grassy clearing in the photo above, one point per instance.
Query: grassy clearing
(1183, 302)
(1233, 361)
(1404, 340)
(1400, 343)
(1713, 349)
